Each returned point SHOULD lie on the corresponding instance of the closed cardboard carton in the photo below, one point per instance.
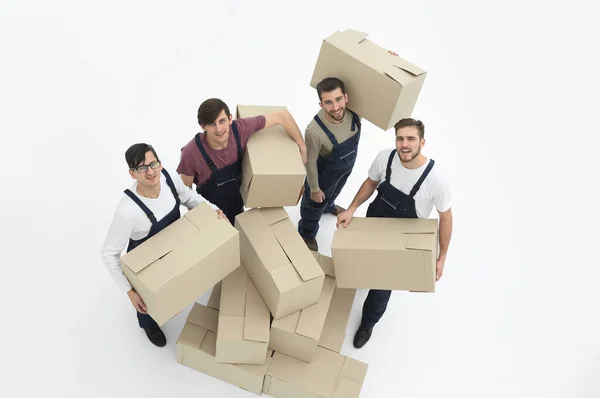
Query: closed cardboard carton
(244, 319)
(172, 268)
(196, 347)
(280, 264)
(272, 170)
(382, 88)
(330, 375)
(386, 253)
(298, 333)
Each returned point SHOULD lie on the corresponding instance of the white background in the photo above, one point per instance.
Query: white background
(509, 104)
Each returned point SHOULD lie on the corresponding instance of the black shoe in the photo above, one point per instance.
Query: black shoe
(362, 336)
(155, 335)
(311, 243)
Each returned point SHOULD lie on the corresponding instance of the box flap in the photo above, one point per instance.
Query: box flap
(421, 242)
(354, 370)
(203, 216)
(257, 320)
(325, 262)
(191, 335)
(402, 71)
(286, 277)
(392, 225)
(313, 317)
(347, 36)
(273, 215)
(233, 293)
(203, 316)
(288, 322)
(159, 245)
(230, 328)
(296, 250)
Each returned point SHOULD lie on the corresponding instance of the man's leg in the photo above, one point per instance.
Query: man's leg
(332, 208)
(155, 335)
(373, 309)
(310, 214)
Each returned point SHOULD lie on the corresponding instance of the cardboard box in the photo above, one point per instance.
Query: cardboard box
(196, 347)
(334, 330)
(280, 264)
(244, 320)
(172, 268)
(272, 170)
(386, 253)
(298, 333)
(381, 87)
(330, 375)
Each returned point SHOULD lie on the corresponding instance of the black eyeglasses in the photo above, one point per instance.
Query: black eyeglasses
(144, 168)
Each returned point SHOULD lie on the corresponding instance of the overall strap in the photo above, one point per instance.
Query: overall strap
(388, 170)
(326, 130)
(207, 158)
(141, 205)
(422, 178)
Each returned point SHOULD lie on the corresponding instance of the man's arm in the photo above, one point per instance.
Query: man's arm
(313, 147)
(116, 240)
(366, 190)
(285, 119)
(445, 232)
(187, 180)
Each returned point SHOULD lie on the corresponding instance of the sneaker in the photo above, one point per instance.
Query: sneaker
(311, 243)
(337, 210)
(155, 335)
(362, 336)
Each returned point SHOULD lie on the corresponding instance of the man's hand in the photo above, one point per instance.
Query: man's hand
(345, 218)
(318, 196)
(137, 301)
(393, 53)
(439, 267)
(220, 213)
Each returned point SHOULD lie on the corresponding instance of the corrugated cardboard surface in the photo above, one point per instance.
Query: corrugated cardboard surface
(386, 253)
(330, 375)
(381, 87)
(172, 268)
(298, 334)
(280, 264)
(196, 347)
(272, 168)
(243, 333)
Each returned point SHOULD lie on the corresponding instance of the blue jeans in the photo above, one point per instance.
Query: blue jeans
(374, 307)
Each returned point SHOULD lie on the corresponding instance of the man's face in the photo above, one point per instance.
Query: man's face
(149, 177)
(218, 131)
(408, 143)
(334, 103)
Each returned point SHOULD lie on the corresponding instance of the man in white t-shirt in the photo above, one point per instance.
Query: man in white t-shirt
(408, 186)
(151, 204)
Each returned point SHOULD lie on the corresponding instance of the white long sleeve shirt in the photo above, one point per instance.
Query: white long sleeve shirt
(130, 222)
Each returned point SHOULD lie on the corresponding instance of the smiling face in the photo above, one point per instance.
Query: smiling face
(145, 174)
(408, 143)
(334, 104)
(218, 131)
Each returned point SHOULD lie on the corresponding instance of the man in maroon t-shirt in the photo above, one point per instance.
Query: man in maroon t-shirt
(213, 159)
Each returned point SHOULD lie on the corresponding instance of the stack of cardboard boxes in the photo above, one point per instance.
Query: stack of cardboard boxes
(276, 320)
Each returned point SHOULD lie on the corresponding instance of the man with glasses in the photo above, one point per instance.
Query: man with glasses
(148, 206)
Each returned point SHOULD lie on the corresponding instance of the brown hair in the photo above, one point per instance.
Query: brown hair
(407, 122)
(329, 84)
(209, 110)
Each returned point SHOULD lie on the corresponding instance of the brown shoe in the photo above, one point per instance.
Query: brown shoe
(337, 210)
(311, 243)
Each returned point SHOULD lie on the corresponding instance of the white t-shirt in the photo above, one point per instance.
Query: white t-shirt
(435, 190)
(130, 221)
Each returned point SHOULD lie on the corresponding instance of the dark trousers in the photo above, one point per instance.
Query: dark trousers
(145, 320)
(311, 212)
(374, 307)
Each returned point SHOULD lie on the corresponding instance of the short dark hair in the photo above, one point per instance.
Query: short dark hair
(329, 84)
(136, 154)
(210, 109)
(407, 122)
